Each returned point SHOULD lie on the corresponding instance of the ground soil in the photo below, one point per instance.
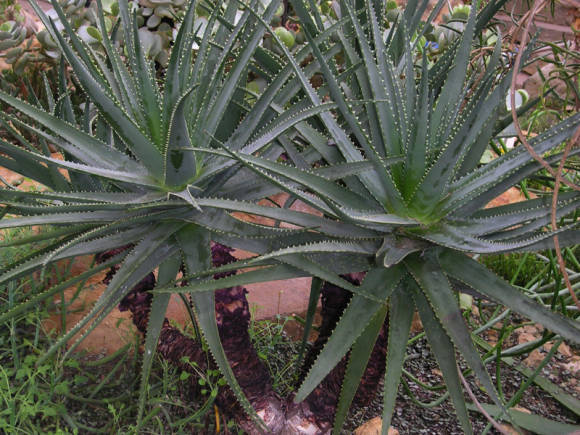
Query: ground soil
(410, 418)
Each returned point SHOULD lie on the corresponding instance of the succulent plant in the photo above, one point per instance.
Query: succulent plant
(17, 43)
(453, 24)
(12, 36)
(147, 162)
(285, 36)
(419, 133)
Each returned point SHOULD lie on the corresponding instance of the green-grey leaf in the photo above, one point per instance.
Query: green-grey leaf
(380, 283)
(470, 272)
(443, 349)
(400, 319)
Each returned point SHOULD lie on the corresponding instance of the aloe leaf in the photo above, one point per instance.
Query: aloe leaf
(146, 84)
(437, 290)
(400, 318)
(304, 220)
(111, 236)
(444, 352)
(264, 103)
(227, 90)
(322, 186)
(28, 167)
(281, 124)
(380, 283)
(219, 221)
(474, 123)
(114, 174)
(521, 207)
(459, 238)
(371, 217)
(436, 180)
(86, 217)
(482, 137)
(363, 83)
(228, 26)
(516, 212)
(178, 61)
(88, 197)
(410, 88)
(338, 96)
(209, 67)
(394, 249)
(21, 162)
(482, 180)
(91, 151)
(167, 272)
(480, 197)
(127, 91)
(315, 287)
(357, 362)
(417, 149)
(456, 77)
(383, 91)
(322, 204)
(180, 161)
(326, 246)
(44, 235)
(566, 238)
(144, 257)
(264, 274)
(535, 423)
(74, 39)
(19, 208)
(139, 143)
(476, 276)
(203, 61)
(523, 217)
(195, 245)
(350, 153)
(313, 268)
(342, 170)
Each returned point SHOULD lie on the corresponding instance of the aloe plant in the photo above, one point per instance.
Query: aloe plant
(417, 134)
(145, 165)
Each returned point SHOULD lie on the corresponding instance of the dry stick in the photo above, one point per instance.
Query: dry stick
(558, 174)
(494, 423)
(561, 263)
(530, 18)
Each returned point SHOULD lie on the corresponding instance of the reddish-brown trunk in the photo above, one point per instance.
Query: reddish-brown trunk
(324, 399)
(315, 414)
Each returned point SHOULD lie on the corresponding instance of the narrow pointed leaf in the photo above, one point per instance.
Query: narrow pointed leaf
(167, 273)
(400, 318)
(476, 276)
(380, 283)
(357, 362)
(443, 349)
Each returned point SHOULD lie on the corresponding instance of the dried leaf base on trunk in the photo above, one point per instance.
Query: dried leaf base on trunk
(312, 416)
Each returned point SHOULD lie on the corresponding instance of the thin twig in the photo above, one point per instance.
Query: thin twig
(494, 423)
(529, 17)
